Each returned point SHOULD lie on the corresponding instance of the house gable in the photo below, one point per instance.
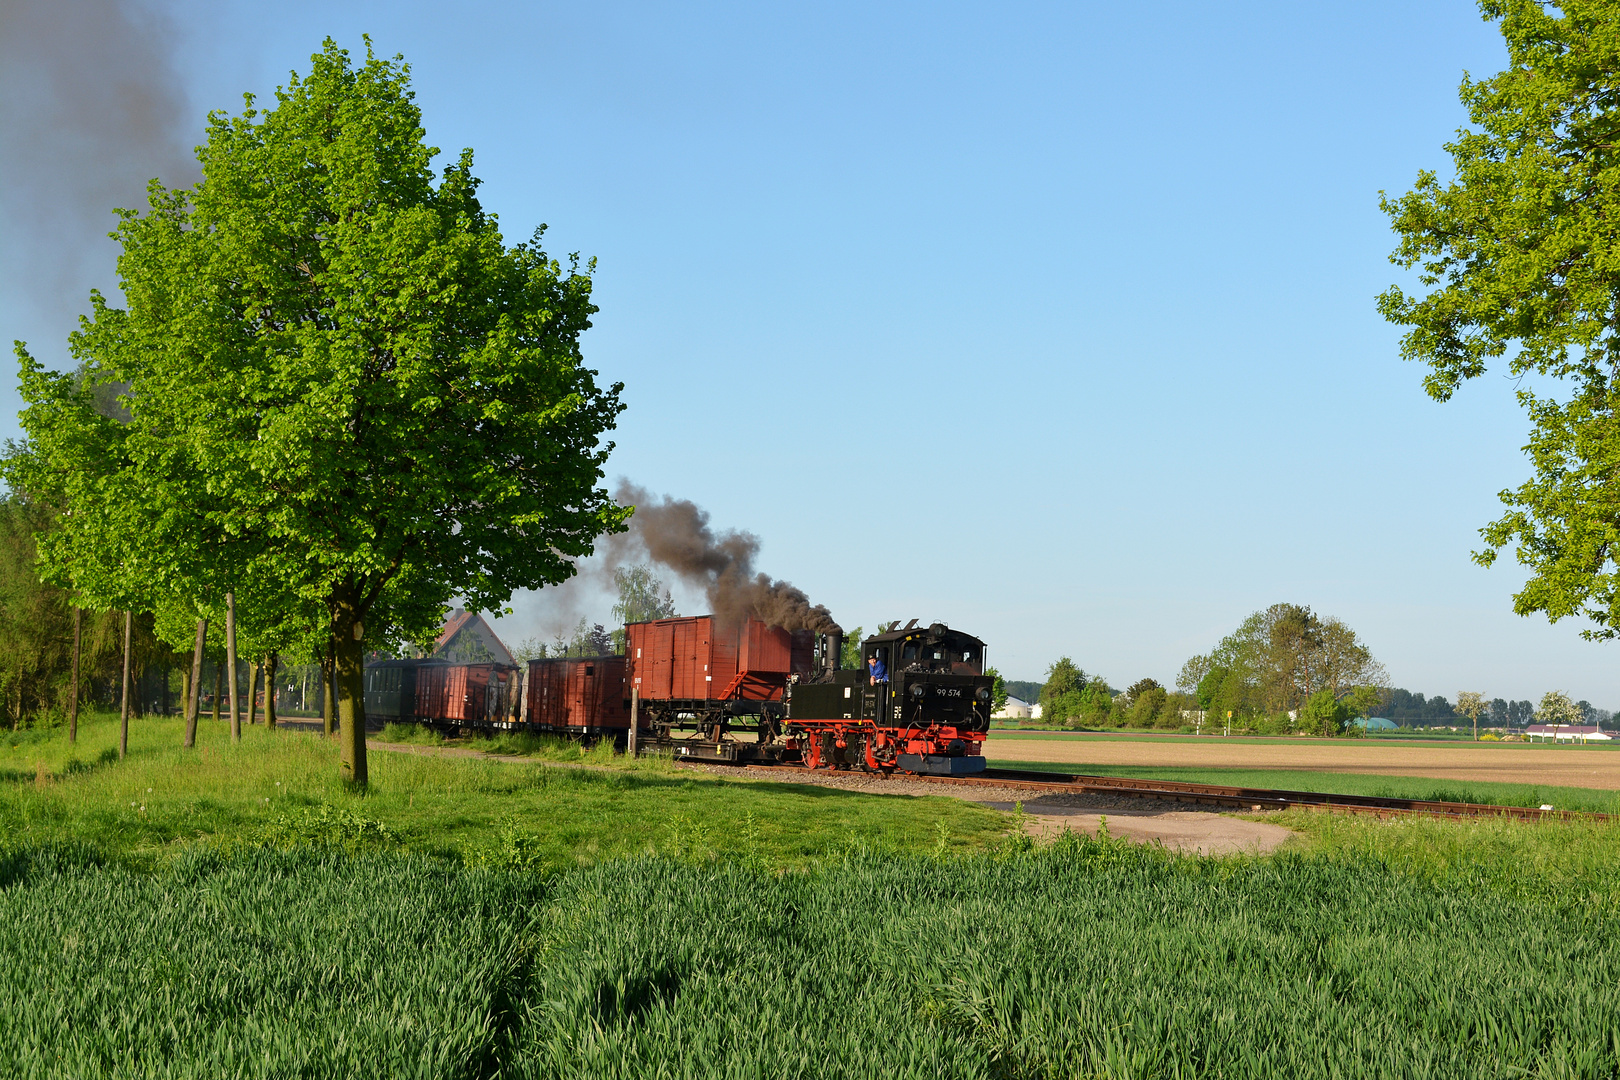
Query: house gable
(466, 638)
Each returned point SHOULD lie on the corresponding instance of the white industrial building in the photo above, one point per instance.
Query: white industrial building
(1568, 733)
(1017, 709)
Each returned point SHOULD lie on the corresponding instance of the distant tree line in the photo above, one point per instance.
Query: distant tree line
(1414, 710)
(1024, 689)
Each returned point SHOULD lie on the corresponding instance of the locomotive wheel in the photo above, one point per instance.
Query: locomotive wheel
(810, 753)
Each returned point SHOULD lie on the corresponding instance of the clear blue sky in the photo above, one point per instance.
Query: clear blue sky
(1053, 322)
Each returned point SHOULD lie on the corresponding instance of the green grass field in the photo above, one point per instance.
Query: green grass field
(1087, 958)
(1591, 800)
(282, 786)
(235, 911)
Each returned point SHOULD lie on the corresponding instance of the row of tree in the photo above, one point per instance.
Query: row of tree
(1405, 707)
(55, 656)
(335, 401)
(1284, 667)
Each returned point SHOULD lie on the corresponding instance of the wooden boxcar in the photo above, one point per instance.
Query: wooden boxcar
(445, 695)
(579, 696)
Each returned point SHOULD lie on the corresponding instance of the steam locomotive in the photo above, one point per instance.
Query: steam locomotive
(712, 690)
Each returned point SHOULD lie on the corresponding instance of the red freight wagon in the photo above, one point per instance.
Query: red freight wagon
(468, 695)
(579, 696)
(705, 659)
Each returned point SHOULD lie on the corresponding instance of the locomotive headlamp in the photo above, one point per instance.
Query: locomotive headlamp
(984, 693)
(918, 689)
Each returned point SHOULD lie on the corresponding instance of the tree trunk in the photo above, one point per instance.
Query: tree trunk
(219, 686)
(230, 661)
(271, 663)
(252, 695)
(349, 668)
(194, 691)
(185, 695)
(123, 731)
(328, 694)
(73, 688)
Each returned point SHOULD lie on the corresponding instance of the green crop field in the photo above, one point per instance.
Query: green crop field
(1589, 800)
(471, 918)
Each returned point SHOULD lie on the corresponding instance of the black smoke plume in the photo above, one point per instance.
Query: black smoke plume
(675, 534)
(91, 109)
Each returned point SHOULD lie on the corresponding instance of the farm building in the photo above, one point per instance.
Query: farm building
(466, 638)
(1374, 723)
(1568, 733)
(1015, 709)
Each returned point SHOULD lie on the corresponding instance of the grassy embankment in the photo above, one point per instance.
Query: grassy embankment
(242, 927)
(280, 786)
(1587, 800)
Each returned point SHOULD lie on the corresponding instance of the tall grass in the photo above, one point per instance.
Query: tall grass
(1088, 958)
(163, 798)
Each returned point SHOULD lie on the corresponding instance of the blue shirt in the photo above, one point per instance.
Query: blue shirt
(878, 670)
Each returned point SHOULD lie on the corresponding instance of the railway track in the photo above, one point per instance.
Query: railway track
(1236, 798)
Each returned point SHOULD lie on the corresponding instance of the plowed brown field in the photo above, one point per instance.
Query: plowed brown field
(1512, 763)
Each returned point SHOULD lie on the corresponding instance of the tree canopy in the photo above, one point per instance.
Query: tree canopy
(1280, 658)
(1518, 259)
(344, 389)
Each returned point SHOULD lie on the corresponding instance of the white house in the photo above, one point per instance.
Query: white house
(1016, 709)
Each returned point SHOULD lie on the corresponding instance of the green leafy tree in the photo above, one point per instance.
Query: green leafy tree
(1060, 697)
(1138, 688)
(342, 382)
(1471, 704)
(1517, 259)
(998, 690)
(1147, 703)
(849, 654)
(1323, 714)
(643, 597)
(1277, 659)
(530, 648)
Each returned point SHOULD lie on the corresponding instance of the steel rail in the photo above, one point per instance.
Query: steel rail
(1237, 798)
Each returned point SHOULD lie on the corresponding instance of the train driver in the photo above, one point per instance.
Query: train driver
(877, 669)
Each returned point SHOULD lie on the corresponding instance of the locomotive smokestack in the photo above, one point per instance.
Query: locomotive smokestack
(833, 643)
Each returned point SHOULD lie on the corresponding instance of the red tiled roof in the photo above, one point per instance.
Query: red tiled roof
(451, 628)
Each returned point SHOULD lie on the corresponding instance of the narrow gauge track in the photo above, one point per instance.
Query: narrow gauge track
(1237, 798)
